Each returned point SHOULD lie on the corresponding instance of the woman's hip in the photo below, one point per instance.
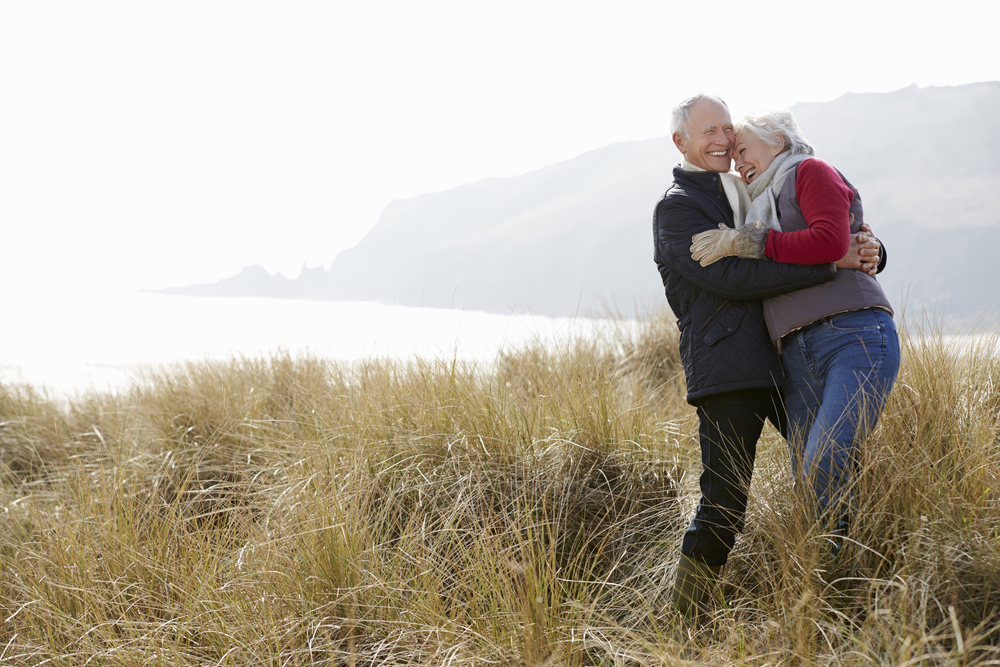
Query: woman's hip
(860, 339)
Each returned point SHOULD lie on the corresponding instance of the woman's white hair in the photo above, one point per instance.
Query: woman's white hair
(774, 129)
(680, 117)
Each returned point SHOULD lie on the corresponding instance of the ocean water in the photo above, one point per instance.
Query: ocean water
(65, 346)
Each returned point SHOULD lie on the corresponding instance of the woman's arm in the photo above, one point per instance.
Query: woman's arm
(673, 223)
(825, 201)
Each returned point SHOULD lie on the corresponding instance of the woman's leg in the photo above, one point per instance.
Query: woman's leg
(802, 395)
(842, 370)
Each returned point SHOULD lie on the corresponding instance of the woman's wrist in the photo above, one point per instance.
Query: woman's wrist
(751, 239)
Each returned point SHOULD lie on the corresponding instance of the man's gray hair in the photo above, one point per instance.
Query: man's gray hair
(774, 129)
(680, 117)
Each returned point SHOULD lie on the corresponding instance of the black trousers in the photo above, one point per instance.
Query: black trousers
(729, 425)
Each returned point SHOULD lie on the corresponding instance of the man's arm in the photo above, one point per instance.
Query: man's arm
(732, 277)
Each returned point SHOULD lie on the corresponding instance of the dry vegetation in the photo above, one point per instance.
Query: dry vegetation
(290, 511)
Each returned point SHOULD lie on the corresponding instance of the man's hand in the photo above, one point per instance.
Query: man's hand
(709, 247)
(863, 253)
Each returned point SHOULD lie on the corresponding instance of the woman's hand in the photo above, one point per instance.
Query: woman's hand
(863, 253)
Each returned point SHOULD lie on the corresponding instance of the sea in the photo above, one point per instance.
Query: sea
(64, 347)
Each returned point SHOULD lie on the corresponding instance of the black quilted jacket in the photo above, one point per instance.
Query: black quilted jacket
(724, 341)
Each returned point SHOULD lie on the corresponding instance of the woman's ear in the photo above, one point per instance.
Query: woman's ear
(780, 148)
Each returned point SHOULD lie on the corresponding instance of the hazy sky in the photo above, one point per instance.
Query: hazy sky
(154, 144)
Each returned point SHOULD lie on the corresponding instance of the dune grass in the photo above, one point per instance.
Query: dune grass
(293, 511)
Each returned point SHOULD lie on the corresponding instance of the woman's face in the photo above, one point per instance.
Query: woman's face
(752, 156)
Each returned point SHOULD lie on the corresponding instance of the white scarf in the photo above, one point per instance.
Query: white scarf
(735, 189)
(764, 189)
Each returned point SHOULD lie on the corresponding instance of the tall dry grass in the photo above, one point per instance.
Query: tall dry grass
(291, 511)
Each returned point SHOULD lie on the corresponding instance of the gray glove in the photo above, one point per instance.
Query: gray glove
(711, 246)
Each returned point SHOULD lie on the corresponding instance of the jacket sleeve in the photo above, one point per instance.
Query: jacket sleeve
(883, 258)
(678, 219)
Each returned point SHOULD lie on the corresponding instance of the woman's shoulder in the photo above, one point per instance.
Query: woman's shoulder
(816, 178)
(814, 167)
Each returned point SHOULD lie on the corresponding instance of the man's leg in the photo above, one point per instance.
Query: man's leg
(729, 427)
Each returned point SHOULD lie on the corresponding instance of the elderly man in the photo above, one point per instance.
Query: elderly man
(733, 371)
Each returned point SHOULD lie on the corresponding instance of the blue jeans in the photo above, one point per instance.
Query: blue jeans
(729, 425)
(840, 372)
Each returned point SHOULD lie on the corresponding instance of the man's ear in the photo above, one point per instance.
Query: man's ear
(679, 141)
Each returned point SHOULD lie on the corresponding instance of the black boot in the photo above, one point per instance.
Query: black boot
(694, 587)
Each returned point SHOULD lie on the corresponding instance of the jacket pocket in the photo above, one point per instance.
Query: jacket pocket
(725, 323)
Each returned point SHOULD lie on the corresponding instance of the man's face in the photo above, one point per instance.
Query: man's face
(709, 143)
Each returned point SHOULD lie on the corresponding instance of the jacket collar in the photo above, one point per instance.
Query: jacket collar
(701, 180)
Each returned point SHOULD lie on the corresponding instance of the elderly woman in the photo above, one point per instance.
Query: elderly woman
(838, 343)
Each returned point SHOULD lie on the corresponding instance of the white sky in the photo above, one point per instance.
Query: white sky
(151, 144)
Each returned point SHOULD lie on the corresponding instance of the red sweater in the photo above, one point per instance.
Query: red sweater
(825, 201)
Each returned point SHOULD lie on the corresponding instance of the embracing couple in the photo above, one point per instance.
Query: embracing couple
(770, 273)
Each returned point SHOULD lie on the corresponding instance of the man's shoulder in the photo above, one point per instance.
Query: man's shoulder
(679, 189)
(680, 195)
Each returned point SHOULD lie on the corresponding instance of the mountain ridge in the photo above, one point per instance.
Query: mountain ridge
(575, 237)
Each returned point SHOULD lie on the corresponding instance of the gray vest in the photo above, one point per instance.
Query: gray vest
(849, 290)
